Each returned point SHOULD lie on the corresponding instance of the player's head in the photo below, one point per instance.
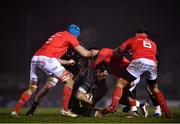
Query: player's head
(74, 30)
(142, 31)
(101, 71)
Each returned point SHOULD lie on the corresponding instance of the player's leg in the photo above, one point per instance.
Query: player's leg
(31, 111)
(24, 98)
(129, 91)
(137, 104)
(159, 97)
(131, 73)
(131, 103)
(26, 95)
(67, 90)
(128, 75)
(51, 82)
(52, 66)
(153, 86)
(131, 94)
(157, 111)
(116, 96)
(134, 104)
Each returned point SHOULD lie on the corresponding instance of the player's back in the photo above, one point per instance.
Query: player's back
(57, 45)
(141, 47)
(115, 63)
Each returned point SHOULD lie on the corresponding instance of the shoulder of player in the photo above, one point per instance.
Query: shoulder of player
(68, 37)
(65, 34)
(131, 39)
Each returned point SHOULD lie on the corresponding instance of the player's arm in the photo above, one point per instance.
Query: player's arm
(124, 46)
(82, 92)
(82, 95)
(66, 62)
(98, 60)
(84, 52)
(117, 51)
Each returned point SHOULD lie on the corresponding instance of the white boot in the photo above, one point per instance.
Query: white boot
(157, 112)
(14, 114)
(68, 113)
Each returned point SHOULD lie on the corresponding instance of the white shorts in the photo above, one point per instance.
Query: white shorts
(51, 66)
(142, 65)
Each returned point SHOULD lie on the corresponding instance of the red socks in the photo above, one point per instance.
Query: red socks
(161, 100)
(132, 102)
(66, 97)
(117, 93)
(25, 96)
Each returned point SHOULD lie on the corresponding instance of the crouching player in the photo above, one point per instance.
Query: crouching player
(89, 88)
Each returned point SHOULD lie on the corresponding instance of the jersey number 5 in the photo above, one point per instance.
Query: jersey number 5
(50, 39)
(147, 44)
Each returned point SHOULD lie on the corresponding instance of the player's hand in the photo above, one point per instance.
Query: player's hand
(98, 114)
(94, 52)
(71, 62)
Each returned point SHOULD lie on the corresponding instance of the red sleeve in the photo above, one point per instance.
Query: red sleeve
(98, 60)
(73, 41)
(103, 55)
(124, 45)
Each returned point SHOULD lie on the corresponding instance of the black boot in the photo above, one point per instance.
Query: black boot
(33, 108)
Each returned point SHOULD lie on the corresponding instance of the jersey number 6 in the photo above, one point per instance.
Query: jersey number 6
(146, 44)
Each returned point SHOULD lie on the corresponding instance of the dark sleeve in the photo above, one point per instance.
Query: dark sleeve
(88, 80)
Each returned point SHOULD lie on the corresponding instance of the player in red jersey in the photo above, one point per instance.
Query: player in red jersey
(143, 61)
(116, 66)
(47, 58)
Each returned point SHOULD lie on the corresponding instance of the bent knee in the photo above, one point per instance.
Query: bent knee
(121, 83)
(153, 88)
(66, 76)
(52, 81)
(32, 89)
(69, 83)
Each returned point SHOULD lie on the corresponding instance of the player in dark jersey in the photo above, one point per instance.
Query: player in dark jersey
(90, 87)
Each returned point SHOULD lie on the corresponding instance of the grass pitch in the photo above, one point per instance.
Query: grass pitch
(51, 115)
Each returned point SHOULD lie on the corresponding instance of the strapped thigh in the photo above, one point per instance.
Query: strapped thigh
(65, 76)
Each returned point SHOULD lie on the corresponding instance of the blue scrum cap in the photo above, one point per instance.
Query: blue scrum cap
(74, 30)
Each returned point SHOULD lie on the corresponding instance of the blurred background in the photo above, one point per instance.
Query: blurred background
(27, 24)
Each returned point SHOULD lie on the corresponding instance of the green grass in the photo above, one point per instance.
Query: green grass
(51, 115)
